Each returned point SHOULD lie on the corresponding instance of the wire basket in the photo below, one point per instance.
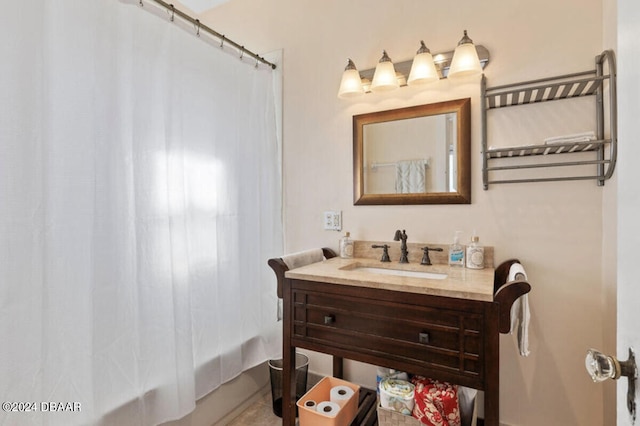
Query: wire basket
(388, 417)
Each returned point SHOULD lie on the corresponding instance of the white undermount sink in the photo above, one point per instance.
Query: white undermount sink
(401, 272)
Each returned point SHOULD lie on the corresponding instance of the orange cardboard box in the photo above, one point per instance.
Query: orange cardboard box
(308, 416)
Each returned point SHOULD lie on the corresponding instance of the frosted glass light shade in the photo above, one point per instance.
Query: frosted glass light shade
(465, 60)
(423, 69)
(351, 83)
(384, 77)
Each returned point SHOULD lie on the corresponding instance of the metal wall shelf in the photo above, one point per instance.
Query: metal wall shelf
(587, 83)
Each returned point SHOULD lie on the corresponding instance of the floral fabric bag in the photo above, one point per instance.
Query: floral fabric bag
(436, 403)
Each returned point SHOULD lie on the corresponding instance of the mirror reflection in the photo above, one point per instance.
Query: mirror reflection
(415, 155)
(410, 156)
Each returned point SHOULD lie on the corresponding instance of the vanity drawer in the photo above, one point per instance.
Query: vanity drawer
(444, 338)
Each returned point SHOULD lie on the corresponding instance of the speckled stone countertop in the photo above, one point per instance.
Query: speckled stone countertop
(461, 283)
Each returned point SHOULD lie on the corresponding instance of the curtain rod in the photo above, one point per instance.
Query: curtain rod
(200, 26)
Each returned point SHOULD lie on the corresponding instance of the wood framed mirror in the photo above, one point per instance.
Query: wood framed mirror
(413, 155)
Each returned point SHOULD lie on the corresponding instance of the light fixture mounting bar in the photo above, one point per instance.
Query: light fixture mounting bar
(442, 61)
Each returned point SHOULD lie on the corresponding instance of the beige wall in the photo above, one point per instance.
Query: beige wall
(556, 229)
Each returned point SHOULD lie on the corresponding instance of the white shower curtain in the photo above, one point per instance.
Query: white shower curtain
(139, 202)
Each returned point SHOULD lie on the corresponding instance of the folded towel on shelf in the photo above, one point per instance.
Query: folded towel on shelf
(572, 138)
(520, 315)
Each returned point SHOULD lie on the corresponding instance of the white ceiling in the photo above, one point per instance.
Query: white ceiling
(200, 6)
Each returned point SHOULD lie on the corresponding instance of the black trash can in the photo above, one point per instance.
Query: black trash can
(275, 372)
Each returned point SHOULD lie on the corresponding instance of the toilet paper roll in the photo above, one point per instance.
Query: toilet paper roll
(397, 395)
(328, 408)
(310, 404)
(340, 394)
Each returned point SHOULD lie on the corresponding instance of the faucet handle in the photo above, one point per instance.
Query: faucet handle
(425, 257)
(385, 252)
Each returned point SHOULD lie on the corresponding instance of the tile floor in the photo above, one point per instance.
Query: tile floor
(259, 414)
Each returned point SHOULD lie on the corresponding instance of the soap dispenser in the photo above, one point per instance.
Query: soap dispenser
(475, 254)
(456, 251)
(346, 246)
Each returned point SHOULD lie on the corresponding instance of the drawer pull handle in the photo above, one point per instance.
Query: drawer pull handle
(329, 319)
(423, 337)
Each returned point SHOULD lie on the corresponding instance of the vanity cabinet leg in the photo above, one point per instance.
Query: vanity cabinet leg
(492, 367)
(289, 361)
(289, 387)
(338, 367)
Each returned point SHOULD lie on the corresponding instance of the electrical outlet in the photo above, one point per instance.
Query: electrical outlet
(337, 221)
(332, 220)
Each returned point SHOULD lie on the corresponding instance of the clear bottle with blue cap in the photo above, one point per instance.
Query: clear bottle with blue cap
(456, 252)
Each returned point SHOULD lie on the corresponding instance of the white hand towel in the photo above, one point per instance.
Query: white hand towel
(467, 404)
(520, 315)
(302, 258)
(296, 260)
(410, 176)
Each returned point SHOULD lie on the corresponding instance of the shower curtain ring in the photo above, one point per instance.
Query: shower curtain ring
(198, 28)
(141, 4)
(173, 12)
(241, 52)
(222, 42)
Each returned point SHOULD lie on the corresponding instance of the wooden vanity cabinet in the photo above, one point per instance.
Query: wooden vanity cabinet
(391, 327)
(444, 338)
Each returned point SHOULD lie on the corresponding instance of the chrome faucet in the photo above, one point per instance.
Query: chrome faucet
(402, 236)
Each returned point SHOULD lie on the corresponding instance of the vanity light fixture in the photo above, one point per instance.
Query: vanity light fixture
(351, 84)
(423, 69)
(384, 78)
(467, 59)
